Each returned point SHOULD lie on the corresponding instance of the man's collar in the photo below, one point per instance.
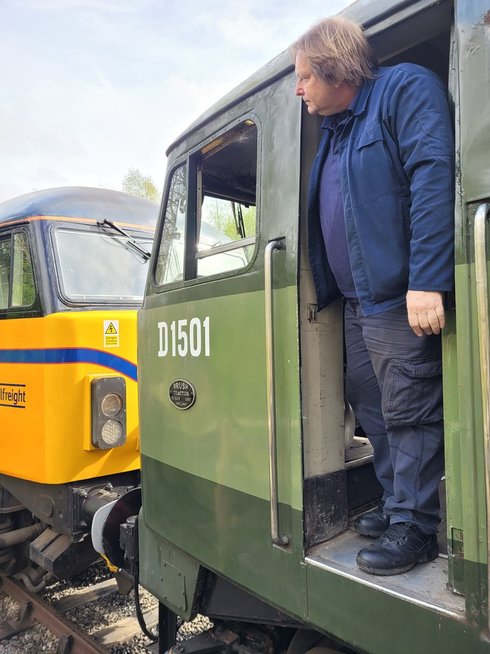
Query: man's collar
(357, 106)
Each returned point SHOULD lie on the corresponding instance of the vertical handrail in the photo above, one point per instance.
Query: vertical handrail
(271, 390)
(481, 279)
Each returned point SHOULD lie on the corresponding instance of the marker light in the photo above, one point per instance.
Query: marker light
(111, 405)
(108, 412)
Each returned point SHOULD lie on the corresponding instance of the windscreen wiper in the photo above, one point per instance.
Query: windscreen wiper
(131, 243)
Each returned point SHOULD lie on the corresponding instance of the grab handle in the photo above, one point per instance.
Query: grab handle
(271, 390)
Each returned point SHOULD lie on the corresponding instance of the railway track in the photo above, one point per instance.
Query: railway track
(94, 619)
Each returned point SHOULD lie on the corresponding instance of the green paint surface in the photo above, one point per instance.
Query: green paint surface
(228, 532)
(224, 436)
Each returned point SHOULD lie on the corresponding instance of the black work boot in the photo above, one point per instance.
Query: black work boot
(401, 546)
(373, 523)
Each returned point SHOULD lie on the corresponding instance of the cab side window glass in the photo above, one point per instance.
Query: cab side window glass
(23, 291)
(17, 287)
(170, 260)
(227, 202)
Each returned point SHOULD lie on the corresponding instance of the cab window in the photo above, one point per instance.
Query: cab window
(210, 214)
(170, 260)
(100, 266)
(17, 287)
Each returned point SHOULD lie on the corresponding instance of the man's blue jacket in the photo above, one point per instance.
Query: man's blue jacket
(397, 176)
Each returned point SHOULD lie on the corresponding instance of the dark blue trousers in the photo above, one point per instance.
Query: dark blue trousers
(394, 385)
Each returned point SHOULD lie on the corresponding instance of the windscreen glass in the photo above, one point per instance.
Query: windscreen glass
(95, 266)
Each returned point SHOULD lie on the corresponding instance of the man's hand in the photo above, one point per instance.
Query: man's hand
(425, 311)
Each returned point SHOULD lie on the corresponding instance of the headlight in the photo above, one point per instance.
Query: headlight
(108, 412)
(111, 433)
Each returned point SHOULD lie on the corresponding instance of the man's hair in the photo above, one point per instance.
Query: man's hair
(338, 51)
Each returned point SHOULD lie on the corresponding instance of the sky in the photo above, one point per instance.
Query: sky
(94, 88)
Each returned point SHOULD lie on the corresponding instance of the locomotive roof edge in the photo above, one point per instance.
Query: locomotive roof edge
(81, 202)
(366, 12)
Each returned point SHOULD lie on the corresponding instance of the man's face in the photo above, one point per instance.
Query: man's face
(320, 97)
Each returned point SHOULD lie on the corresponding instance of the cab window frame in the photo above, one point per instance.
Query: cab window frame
(193, 219)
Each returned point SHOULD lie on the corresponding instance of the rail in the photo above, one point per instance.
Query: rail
(278, 244)
(35, 610)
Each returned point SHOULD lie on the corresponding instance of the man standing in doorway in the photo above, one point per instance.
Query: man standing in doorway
(381, 232)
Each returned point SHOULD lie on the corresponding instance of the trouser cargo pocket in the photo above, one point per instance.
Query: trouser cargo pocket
(412, 393)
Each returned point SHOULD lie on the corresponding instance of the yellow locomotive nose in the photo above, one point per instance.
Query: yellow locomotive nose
(73, 265)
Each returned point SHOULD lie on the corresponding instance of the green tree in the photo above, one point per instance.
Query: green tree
(136, 183)
(220, 214)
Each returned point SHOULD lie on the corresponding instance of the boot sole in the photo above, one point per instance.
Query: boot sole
(425, 557)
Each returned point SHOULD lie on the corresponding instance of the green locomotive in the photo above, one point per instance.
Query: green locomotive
(251, 470)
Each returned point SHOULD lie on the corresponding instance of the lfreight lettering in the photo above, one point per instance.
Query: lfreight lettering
(13, 396)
